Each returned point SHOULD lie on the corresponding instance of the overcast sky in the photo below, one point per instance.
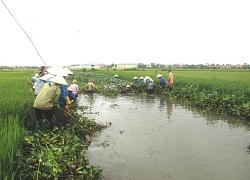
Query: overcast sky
(128, 31)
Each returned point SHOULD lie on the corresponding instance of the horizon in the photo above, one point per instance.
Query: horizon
(123, 64)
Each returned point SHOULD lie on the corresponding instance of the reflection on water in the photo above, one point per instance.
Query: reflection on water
(166, 104)
(152, 138)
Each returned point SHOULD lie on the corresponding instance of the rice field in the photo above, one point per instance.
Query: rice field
(16, 112)
(236, 82)
(221, 91)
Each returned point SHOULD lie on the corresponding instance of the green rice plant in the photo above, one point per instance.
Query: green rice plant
(16, 110)
(11, 133)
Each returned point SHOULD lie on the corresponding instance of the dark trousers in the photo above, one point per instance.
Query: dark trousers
(150, 91)
(48, 113)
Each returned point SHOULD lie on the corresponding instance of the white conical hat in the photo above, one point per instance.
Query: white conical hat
(159, 75)
(59, 80)
(147, 77)
(58, 71)
(135, 77)
(141, 77)
(116, 75)
(46, 76)
(68, 71)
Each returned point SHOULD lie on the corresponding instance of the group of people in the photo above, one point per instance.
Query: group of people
(150, 84)
(53, 95)
(169, 83)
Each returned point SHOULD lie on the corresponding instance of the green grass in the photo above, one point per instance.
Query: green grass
(16, 111)
(22, 149)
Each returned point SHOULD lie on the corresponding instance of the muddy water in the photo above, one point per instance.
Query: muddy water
(154, 139)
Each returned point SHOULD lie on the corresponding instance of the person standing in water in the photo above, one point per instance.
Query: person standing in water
(170, 80)
(91, 87)
(75, 88)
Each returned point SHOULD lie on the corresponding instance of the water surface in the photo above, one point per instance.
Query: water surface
(155, 139)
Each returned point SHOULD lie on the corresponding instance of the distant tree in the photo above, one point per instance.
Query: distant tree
(141, 66)
(246, 66)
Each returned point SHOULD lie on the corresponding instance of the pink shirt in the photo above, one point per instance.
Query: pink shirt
(75, 88)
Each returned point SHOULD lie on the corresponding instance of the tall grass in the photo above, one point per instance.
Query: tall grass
(11, 133)
(16, 110)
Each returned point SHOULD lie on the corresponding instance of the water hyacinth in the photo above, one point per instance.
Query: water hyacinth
(223, 91)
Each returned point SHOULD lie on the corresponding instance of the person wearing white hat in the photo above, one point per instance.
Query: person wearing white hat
(126, 89)
(116, 76)
(163, 82)
(64, 103)
(148, 79)
(47, 99)
(71, 95)
(57, 71)
(151, 87)
(136, 80)
(142, 80)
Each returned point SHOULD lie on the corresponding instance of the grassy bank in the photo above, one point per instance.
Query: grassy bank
(46, 154)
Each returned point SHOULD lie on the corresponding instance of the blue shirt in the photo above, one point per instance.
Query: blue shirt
(64, 93)
(71, 96)
(162, 82)
(137, 81)
(143, 81)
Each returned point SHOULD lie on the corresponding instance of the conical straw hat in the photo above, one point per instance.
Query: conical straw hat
(68, 71)
(59, 80)
(46, 76)
(147, 77)
(57, 71)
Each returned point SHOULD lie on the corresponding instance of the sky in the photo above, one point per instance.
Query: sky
(66, 32)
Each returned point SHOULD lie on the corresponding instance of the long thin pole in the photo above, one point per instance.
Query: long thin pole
(72, 117)
(28, 80)
(25, 33)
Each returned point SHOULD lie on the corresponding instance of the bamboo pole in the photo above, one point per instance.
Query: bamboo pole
(72, 117)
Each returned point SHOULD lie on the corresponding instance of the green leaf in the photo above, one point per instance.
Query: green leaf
(47, 164)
